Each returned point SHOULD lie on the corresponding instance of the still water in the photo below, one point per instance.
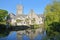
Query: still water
(25, 35)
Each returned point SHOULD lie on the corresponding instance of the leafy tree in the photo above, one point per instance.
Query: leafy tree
(33, 21)
(52, 18)
(19, 20)
(3, 15)
(27, 20)
(52, 13)
(3, 30)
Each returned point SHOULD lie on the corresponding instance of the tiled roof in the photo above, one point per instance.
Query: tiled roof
(21, 16)
(40, 15)
(12, 15)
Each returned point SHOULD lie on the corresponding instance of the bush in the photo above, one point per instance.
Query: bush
(36, 26)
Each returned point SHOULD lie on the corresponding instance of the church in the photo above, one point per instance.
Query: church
(30, 19)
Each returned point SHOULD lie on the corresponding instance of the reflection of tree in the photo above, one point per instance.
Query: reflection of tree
(55, 26)
(52, 19)
(3, 30)
(54, 30)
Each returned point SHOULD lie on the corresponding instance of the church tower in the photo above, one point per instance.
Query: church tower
(19, 10)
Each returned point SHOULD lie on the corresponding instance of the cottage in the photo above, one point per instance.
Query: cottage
(21, 19)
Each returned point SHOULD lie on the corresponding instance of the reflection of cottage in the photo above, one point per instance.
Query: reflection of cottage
(21, 19)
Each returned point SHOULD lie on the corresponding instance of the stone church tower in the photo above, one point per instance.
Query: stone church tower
(19, 10)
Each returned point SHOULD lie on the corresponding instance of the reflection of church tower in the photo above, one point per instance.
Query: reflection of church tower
(19, 10)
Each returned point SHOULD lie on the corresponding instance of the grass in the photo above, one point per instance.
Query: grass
(3, 23)
(38, 26)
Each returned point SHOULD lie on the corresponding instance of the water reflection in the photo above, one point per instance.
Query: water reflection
(11, 36)
(25, 35)
(4, 38)
(38, 37)
(31, 34)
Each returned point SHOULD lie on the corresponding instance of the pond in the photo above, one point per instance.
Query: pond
(35, 34)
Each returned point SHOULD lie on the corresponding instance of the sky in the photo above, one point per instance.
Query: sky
(37, 5)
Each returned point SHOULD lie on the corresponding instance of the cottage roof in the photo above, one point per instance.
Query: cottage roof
(21, 15)
(12, 15)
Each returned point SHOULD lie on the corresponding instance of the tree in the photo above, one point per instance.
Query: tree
(19, 20)
(33, 21)
(3, 30)
(52, 18)
(52, 13)
(3, 15)
(27, 20)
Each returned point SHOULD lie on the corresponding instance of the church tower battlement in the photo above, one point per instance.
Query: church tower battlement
(19, 9)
